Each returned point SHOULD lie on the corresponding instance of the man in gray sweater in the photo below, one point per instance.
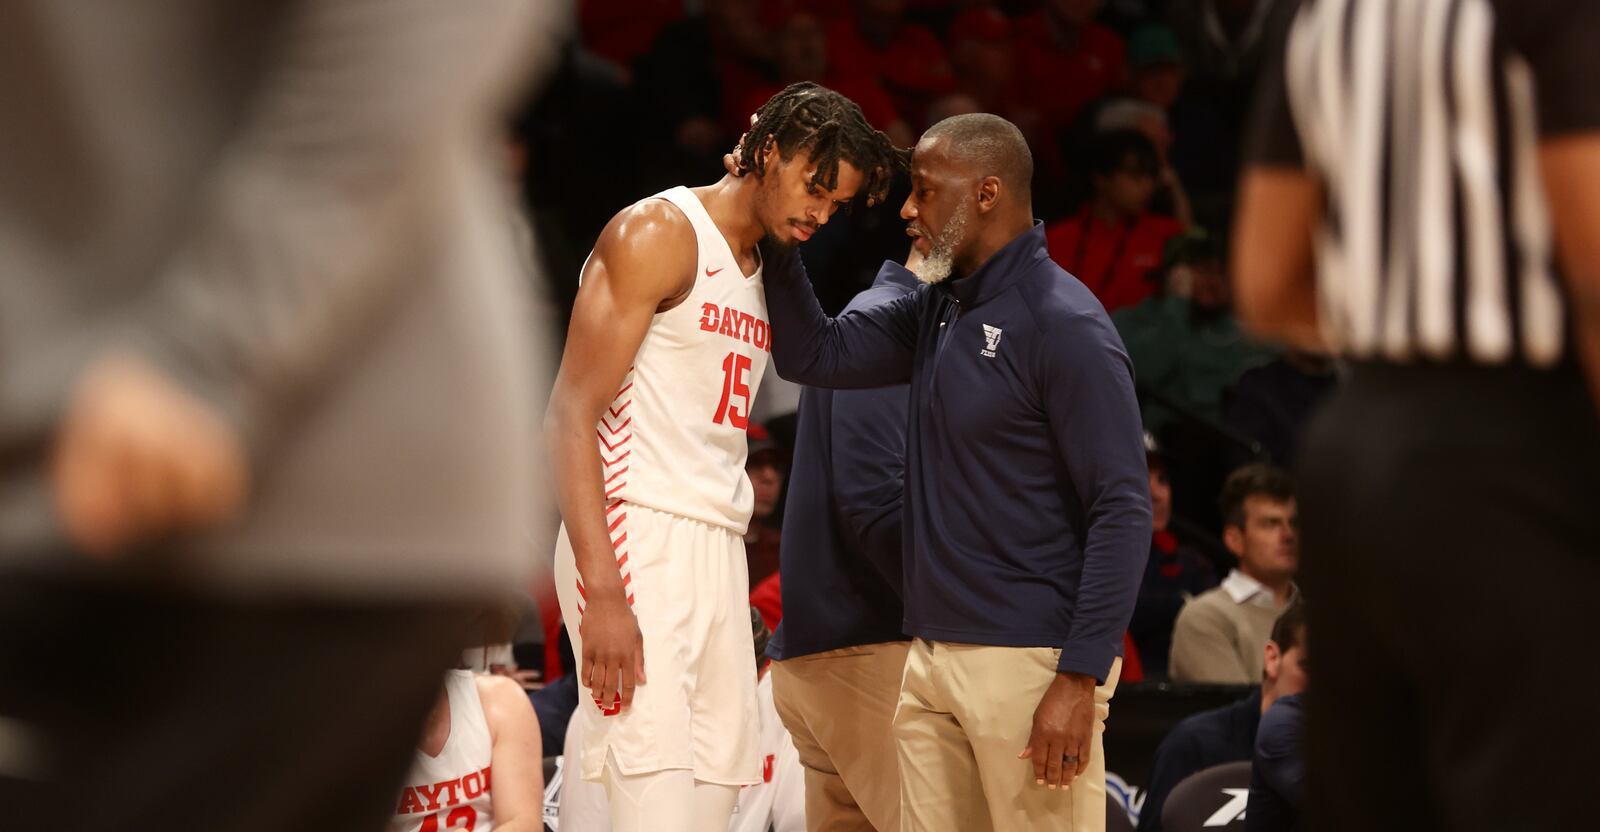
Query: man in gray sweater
(1218, 635)
(266, 402)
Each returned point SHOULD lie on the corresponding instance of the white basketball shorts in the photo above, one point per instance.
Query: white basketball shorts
(689, 588)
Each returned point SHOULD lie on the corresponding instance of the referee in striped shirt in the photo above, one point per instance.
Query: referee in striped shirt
(1423, 197)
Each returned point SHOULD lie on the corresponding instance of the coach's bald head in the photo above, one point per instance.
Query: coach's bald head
(986, 145)
(971, 193)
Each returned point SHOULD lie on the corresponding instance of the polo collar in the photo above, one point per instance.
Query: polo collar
(1002, 269)
(898, 277)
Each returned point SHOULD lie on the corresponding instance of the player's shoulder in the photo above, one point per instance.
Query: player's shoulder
(501, 694)
(652, 221)
(651, 238)
(498, 688)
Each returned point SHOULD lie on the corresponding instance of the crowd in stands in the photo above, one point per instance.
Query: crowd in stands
(1134, 111)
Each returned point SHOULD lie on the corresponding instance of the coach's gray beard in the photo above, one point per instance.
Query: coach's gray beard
(936, 266)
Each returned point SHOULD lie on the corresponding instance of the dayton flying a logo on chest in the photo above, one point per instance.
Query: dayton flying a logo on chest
(732, 323)
(991, 340)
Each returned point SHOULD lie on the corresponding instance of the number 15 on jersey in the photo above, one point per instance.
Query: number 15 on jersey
(735, 387)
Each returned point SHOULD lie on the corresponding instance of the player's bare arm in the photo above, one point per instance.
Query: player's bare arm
(1274, 274)
(1571, 166)
(642, 264)
(518, 791)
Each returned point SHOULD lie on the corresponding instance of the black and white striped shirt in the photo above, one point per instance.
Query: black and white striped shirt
(1423, 120)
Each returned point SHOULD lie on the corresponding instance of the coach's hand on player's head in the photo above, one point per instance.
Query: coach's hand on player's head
(137, 457)
(730, 160)
(1063, 731)
(613, 650)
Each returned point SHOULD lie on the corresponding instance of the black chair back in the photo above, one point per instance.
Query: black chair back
(1210, 799)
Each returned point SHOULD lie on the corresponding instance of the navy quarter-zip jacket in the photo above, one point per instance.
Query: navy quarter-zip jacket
(1027, 513)
(842, 523)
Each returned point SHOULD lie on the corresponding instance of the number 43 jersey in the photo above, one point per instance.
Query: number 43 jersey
(674, 439)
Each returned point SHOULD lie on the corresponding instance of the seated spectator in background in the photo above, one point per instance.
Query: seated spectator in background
(1119, 112)
(1228, 734)
(765, 466)
(1155, 66)
(1272, 403)
(1174, 574)
(1219, 634)
(983, 55)
(1185, 343)
(1170, 199)
(802, 53)
(1198, 149)
(907, 59)
(1115, 241)
(777, 804)
(1065, 60)
(477, 723)
(1278, 771)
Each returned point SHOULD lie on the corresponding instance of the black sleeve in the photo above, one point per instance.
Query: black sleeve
(1558, 40)
(1270, 137)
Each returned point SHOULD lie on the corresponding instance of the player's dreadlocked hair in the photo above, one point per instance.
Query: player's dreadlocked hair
(829, 127)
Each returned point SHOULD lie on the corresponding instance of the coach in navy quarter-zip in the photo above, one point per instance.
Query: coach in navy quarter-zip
(1027, 506)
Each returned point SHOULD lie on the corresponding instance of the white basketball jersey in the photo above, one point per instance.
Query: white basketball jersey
(674, 439)
(451, 791)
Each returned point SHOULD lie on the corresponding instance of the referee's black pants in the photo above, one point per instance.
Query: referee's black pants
(1451, 538)
(130, 708)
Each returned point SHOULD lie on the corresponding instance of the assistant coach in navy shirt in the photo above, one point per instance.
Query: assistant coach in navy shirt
(1027, 514)
(839, 652)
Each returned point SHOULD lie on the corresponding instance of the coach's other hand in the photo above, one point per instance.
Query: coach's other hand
(1063, 731)
(613, 651)
(137, 457)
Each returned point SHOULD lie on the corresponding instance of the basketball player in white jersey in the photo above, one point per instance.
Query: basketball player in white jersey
(477, 767)
(665, 353)
(777, 804)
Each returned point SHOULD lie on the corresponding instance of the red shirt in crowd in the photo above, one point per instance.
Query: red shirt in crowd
(1132, 668)
(1115, 260)
(1064, 82)
(624, 31)
(913, 65)
(767, 598)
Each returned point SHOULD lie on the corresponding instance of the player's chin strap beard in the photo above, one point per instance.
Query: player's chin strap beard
(776, 244)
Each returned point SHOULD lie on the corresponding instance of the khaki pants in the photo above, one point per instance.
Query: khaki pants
(839, 708)
(965, 713)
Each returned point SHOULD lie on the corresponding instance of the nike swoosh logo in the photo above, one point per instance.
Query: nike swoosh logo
(712, 272)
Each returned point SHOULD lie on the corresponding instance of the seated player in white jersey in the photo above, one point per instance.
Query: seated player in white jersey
(478, 766)
(666, 349)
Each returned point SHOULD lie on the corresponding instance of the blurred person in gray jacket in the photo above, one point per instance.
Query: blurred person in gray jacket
(267, 397)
